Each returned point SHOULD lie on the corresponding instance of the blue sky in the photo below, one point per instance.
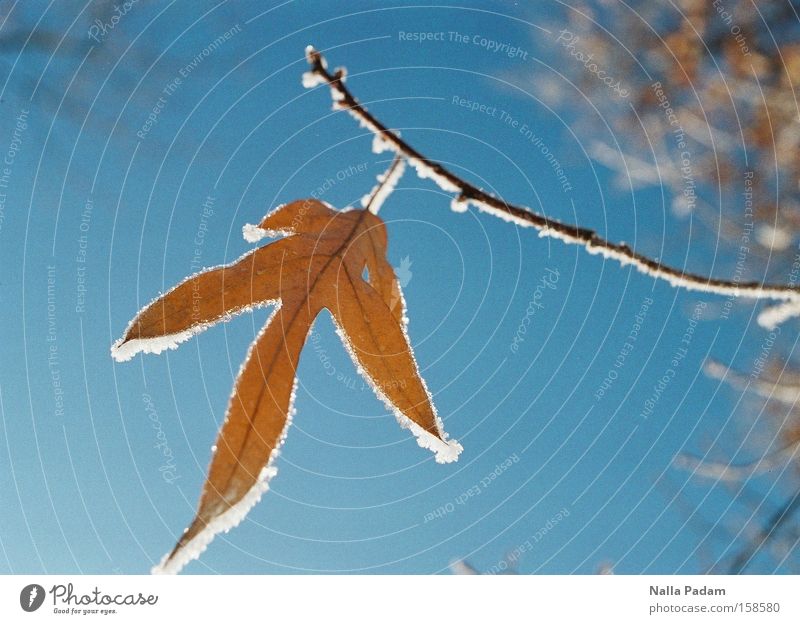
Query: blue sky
(101, 463)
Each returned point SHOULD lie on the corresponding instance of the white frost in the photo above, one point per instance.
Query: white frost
(252, 233)
(445, 450)
(123, 351)
(222, 523)
(459, 203)
(426, 172)
(380, 144)
(387, 182)
(403, 309)
(312, 79)
(776, 238)
(773, 316)
(311, 50)
(338, 97)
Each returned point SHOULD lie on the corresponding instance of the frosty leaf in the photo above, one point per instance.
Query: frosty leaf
(319, 264)
(202, 300)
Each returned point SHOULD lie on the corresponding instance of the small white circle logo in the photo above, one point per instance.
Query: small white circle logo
(31, 597)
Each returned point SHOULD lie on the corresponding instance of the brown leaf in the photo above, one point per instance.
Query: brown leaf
(318, 265)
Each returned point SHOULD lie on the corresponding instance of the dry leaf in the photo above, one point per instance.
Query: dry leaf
(319, 264)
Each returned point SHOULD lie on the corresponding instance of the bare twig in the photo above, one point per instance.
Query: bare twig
(467, 194)
(772, 389)
(774, 524)
(738, 472)
(386, 183)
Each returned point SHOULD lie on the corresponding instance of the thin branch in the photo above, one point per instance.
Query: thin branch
(387, 181)
(772, 389)
(467, 194)
(776, 521)
(738, 472)
(632, 170)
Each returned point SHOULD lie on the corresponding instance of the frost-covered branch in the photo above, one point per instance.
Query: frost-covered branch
(773, 390)
(722, 471)
(387, 182)
(467, 194)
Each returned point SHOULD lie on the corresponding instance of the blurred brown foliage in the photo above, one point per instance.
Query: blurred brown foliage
(729, 69)
(707, 110)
